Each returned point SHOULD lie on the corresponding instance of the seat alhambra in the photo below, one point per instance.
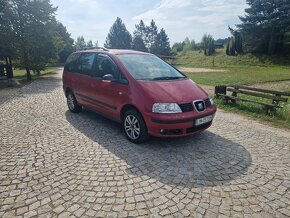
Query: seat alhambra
(145, 94)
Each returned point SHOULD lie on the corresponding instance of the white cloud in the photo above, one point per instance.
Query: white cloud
(179, 18)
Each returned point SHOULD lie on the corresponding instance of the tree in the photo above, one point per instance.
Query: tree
(118, 37)
(265, 25)
(177, 47)
(96, 44)
(90, 44)
(162, 45)
(208, 44)
(151, 36)
(80, 43)
(235, 44)
(139, 38)
(33, 43)
(62, 41)
(138, 43)
(30, 30)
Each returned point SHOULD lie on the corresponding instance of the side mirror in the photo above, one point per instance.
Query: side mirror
(108, 78)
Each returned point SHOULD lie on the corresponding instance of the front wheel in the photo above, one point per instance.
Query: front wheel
(134, 127)
(72, 103)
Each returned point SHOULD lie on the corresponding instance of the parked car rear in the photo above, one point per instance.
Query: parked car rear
(140, 90)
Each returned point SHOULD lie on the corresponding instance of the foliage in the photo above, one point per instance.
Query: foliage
(30, 30)
(266, 25)
(138, 43)
(162, 45)
(235, 43)
(208, 44)
(147, 38)
(118, 37)
(80, 43)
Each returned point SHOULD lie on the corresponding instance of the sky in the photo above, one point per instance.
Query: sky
(180, 18)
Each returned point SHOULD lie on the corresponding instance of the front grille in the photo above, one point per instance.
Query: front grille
(207, 102)
(199, 106)
(186, 107)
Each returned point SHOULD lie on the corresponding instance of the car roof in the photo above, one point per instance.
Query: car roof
(110, 51)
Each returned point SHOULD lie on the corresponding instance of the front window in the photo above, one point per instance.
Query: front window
(149, 67)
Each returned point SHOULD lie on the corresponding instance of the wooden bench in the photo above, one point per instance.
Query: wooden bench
(276, 96)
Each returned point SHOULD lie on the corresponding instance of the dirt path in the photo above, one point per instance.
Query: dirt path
(198, 70)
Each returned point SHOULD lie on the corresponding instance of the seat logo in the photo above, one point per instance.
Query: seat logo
(200, 106)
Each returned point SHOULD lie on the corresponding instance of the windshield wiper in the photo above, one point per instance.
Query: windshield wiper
(169, 78)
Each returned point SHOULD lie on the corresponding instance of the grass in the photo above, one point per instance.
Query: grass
(221, 60)
(280, 118)
(242, 75)
(20, 75)
(241, 70)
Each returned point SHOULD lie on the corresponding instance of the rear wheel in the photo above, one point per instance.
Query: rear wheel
(72, 103)
(134, 127)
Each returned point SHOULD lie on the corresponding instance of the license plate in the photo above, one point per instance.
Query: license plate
(203, 120)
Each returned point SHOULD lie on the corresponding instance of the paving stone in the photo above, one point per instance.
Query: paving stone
(55, 163)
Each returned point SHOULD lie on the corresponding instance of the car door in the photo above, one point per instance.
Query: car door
(110, 96)
(85, 67)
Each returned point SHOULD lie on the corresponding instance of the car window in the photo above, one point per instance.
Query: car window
(72, 63)
(86, 63)
(149, 67)
(105, 65)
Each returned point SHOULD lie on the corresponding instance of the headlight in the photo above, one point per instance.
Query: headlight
(211, 101)
(166, 108)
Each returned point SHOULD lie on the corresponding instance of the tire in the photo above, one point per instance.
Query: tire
(134, 127)
(72, 103)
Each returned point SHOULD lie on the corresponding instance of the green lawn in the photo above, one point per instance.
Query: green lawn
(221, 60)
(21, 74)
(241, 70)
(242, 75)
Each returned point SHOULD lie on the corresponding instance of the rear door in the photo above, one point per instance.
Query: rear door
(85, 69)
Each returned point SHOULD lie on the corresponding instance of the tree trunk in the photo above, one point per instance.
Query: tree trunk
(28, 74)
(272, 42)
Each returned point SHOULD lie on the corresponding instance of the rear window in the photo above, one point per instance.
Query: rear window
(71, 64)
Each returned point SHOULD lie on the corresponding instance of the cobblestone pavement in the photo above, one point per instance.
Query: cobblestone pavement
(55, 163)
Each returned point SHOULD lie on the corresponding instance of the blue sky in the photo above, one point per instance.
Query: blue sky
(179, 18)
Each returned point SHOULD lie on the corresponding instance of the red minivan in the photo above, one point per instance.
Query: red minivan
(141, 91)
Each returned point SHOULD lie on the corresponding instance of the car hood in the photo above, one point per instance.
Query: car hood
(173, 91)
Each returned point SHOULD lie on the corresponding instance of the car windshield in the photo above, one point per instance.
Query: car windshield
(149, 67)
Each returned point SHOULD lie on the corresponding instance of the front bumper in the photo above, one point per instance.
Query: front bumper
(177, 125)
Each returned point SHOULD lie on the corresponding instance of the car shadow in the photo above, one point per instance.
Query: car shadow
(202, 160)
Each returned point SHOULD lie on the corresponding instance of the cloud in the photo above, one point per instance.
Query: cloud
(179, 18)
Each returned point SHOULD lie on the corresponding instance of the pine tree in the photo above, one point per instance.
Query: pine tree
(118, 37)
(208, 44)
(162, 44)
(138, 44)
(151, 37)
(265, 25)
(139, 38)
(80, 44)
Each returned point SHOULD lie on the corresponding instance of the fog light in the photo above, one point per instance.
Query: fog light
(162, 130)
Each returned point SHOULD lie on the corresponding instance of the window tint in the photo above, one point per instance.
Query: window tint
(104, 65)
(72, 63)
(87, 62)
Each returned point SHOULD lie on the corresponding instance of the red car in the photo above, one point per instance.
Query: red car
(141, 91)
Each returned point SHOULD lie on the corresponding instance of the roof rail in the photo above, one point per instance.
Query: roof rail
(90, 48)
